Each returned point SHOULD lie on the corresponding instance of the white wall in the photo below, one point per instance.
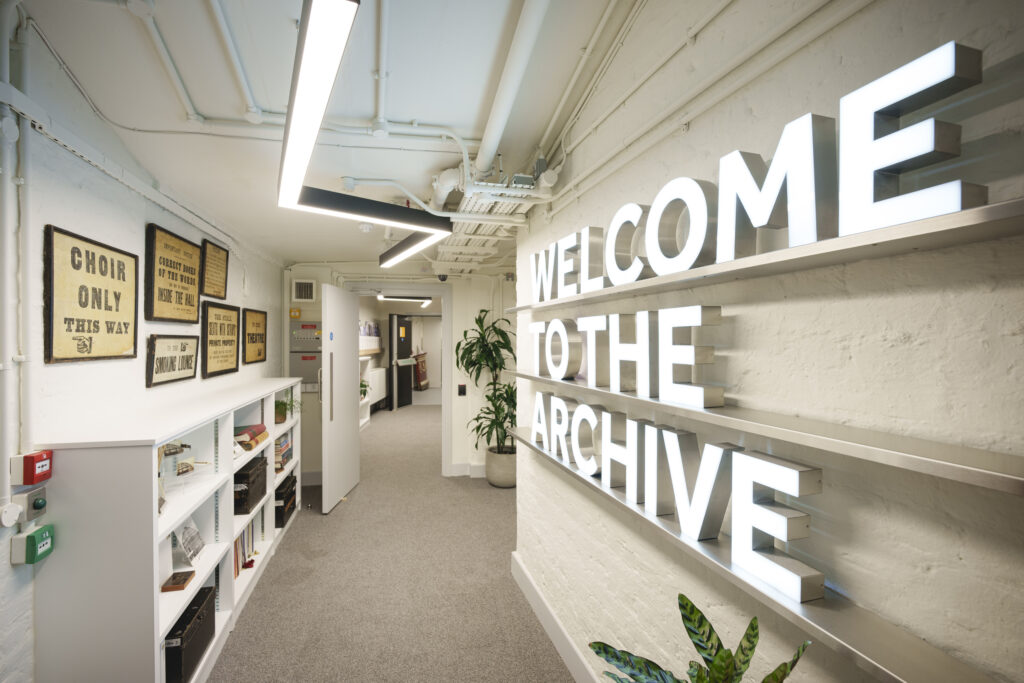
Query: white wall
(928, 344)
(69, 193)
(431, 344)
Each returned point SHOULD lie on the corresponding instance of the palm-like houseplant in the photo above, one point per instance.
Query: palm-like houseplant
(486, 351)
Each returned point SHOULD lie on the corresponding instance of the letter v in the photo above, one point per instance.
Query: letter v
(700, 516)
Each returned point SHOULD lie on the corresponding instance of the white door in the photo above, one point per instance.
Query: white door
(340, 394)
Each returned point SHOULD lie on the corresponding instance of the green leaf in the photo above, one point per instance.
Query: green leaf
(721, 667)
(783, 670)
(639, 669)
(700, 630)
(745, 651)
(697, 673)
(616, 678)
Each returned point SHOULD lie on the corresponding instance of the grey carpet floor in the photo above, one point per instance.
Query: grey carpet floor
(407, 580)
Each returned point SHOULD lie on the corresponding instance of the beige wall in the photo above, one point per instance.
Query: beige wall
(927, 344)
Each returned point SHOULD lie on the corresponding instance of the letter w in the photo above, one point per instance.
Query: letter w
(542, 272)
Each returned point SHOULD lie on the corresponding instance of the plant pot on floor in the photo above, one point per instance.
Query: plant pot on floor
(501, 468)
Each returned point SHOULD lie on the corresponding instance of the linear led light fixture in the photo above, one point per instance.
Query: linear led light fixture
(409, 246)
(412, 299)
(323, 33)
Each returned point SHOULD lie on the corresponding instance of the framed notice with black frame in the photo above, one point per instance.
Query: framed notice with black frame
(254, 329)
(170, 358)
(172, 276)
(214, 279)
(90, 303)
(220, 339)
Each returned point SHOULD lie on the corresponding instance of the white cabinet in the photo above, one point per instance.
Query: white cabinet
(99, 610)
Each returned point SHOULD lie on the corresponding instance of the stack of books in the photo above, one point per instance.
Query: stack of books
(251, 436)
(282, 451)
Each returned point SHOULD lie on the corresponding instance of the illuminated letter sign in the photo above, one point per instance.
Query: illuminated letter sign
(693, 196)
(872, 152)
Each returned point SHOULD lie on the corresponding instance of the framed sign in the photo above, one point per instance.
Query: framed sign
(220, 339)
(254, 329)
(170, 358)
(172, 276)
(214, 279)
(90, 299)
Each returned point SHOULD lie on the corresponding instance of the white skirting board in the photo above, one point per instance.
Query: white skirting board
(312, 478)
(465, 469)
(574, 658)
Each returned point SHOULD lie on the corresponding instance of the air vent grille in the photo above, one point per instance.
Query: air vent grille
(304, 290)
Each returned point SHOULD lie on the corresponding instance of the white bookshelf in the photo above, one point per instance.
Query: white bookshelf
(98, 606)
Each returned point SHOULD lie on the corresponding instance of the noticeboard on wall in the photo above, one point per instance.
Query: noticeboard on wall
(220, 339)
(254, 326)
(90, 300)
(172, 276)
(214, 278)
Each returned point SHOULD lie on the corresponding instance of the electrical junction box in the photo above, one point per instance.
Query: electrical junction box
(33, 503)
(32, 546)
(33, 468)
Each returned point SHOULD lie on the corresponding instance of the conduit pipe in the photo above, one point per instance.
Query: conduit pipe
(144, 11)
(9, 390)
(31, 287)
(531, 19)
(604, 166)
(380, 123)
(584, 58)
(688, 39)
(253, 113)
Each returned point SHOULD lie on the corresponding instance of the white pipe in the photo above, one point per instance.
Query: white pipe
(9, 390)
(584, 58)
(688, 39)
(172, 70)
(253, 113)
(31, 287)
(604, 165)
(531, 19)
(517, 219)
(444, 184)
(382, 62)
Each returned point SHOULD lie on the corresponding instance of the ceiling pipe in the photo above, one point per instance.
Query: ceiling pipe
(444, 184)
(380, 124)
(490, 219)
(531, 19)
(253, 112)
(144, 11)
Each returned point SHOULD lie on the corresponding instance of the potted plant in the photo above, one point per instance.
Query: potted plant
(486, 350)
(283, 406)
(364, 387)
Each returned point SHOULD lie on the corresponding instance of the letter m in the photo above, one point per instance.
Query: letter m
(797, 191)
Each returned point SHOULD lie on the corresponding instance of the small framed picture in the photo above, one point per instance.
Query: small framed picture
(214, 278)
(170, 358)
(90, 309)
(220, 339)
(254, 331)
(172, 276)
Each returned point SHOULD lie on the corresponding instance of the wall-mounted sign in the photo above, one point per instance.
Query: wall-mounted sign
(90, 299)
(220, 339)
(172, 276)
(254, 330)
(822, 198)
(214, 280)
(170, 358)
(804, 189)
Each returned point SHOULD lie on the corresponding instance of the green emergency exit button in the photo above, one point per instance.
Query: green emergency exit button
(32, 546)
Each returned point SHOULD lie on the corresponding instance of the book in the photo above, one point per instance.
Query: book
(255, 441)
(177, 581)
(249, 432)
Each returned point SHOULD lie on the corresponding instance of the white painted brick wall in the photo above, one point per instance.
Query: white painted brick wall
(927, 344)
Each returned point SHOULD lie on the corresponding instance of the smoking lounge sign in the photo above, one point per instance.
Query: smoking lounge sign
(663, 469)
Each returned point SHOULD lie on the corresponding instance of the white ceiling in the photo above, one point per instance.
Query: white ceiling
(445, 59)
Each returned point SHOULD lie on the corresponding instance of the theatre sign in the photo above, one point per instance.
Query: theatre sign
(649, 354)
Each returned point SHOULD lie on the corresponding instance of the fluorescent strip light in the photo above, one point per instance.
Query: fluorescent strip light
(409, 246)
(411, 299)
(324, 30)
(330, 203)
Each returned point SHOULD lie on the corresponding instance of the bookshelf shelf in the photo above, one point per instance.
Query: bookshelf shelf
(117, 571)
(288, 469)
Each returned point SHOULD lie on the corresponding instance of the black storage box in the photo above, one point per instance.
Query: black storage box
(284, 501)
(250, 485)
(188, 639)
